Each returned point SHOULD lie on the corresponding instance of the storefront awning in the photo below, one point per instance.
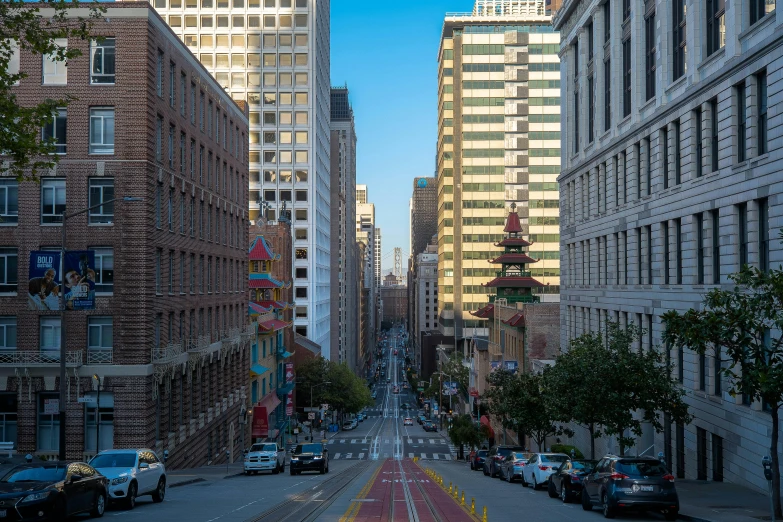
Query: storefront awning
(257, 369)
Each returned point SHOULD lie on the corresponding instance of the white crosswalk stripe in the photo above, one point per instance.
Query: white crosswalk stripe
(336, 456)
(386, 441)
(410, 441)
(342, 441)
(354, 441)
(421, 441)
(448, 457)
(424, 456)
(348, 455)
(435, 456)
(410, 455)
(386, 455)
(361, 456)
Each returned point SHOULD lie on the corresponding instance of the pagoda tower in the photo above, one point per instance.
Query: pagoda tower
(513, 282)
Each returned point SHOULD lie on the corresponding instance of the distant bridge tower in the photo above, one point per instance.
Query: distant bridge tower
(398, 263)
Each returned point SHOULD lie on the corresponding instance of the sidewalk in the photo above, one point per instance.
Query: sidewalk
(184, 477)
(704, 501)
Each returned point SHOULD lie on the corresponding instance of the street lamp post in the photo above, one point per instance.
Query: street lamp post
(98, 416)
(311, 403)
(63, 351)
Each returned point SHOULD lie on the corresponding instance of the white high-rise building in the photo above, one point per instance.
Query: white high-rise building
(275, 55)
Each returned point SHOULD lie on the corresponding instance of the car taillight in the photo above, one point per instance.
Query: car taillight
(617, 476)
(542, 468)
(669, 477)
(574, 478)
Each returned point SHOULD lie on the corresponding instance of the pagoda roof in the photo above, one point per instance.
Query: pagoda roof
(513, 241)
(265, 281)
(260, 251)
(514, 282)
(273, 305)
(513, 258)
(517, 320)
(254, 308)
(272, 325)
(512, 223)
(484, 313)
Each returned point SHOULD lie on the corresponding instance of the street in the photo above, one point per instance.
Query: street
(371, 472)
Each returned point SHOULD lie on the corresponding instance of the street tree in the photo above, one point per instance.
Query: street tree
(611, 388)
(333, 384)
(22, 28)
(741, 327)
(464, 432)
(502, 399)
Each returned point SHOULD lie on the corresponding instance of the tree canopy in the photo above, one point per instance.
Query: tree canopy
(742, 327)
(22, 28)
(346, 392)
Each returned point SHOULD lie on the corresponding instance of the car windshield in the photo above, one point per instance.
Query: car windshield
(308, 448)
(114, 460)
(36, 474)
(644, 468)
(263, 447)
(586, 465)
(507, 451)
(553, 458)
(482, 453)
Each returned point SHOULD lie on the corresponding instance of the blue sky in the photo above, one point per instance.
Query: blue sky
(387, 54)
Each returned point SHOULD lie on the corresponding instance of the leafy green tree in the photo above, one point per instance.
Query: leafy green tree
(503, 398)
(464, 432)
(606, 385)
(23, 28)
(741, 327)
(345, 392)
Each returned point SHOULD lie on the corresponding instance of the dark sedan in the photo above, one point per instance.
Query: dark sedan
(52, 490)
(495, 458)
(477, 459)
(429, 426)
(567, 481)
(309, 457)
(513, 466)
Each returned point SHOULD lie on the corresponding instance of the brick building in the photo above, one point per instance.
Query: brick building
(167, 339)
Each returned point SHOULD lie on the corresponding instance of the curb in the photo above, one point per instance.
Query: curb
(187, 482)
(689, 518)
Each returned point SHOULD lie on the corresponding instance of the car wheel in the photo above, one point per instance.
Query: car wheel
(276, 470)
(327, 467)
(60, 511)
(486, 473)
(550, 488)
(160, 492)
(565, 495)
(534, 484)
(99, 505)
(586, 504)
(670, 514)
(130, 500)
(322, 470)
(471, 467)
(608, 510)
(292, 471)
(247, 472)
(510, 477)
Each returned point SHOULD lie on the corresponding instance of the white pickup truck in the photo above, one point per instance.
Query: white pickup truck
(265, 456)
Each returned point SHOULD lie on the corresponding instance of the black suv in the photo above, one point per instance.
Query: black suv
(495, 458)
(630, 483)
(309, 457)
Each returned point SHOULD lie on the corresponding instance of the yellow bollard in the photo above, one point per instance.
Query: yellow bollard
(472, 505)
(456, 494)
(484, 518)
(463, 497)
(449, 488)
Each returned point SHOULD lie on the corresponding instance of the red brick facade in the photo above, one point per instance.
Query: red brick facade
(185, 398)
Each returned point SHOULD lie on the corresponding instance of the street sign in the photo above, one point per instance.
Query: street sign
(311, 409)
(87, 399)
(324, 406)
(311, 415)
(51, 406)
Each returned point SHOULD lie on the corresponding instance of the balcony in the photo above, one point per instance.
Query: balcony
(167, 353)
(103, 356)
(198, 344)
(31, 358)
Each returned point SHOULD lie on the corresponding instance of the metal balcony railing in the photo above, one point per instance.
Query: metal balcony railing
(39, 358)
(103, 356)
(166, 353)
(197, 344)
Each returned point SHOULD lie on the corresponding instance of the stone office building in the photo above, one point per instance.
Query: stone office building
(167, 338)
(671, 154)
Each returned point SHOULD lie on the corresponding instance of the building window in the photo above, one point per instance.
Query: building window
(649, 32)
(171, 272)
(716, 25)
(172, 84)
(7, 334)
(102, 130)
(104, 270)
(715, 218)
(9, 262)
(627, 77)
(759, 9)
(607, 93)
(677, 153)
(717, 372)
(742, 233)
(607, 20)
(50, 336)
(714, 133)
(665, 234)
(678, 249)
(56, 131)
(741, 123)
(576, 121)
(763, 232)
(101, 193)
(697, 120)
(678, 22)
(699, 225)
(55, 71)
(48, 425)
(664, 146)
(52, 201)
(102, 64)
(100, 339)
(761, 106)
(9, 201)
(590, 108)
(171, 146)
(158, 276)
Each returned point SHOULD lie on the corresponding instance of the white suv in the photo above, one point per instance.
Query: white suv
(265, 456)
(132, 473)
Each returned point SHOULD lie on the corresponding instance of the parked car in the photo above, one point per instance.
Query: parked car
(374, 395)
(539, 466)
(513, 465)
(396, 389)
(407, 422)
(429, 426)
(52, 490)
(495, 456)
(309, 457)
(421, 418)
(348, 425)
(631, 484)
(477, 459)
(265, 456)
(131, 473)
(567, 481)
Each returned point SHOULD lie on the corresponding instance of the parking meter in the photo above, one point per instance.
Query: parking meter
(767, 463)
(573, 453)
(661, 456)
(165, 455)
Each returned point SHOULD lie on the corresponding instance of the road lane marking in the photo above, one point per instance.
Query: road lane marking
(361, 456)
(336, 456)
